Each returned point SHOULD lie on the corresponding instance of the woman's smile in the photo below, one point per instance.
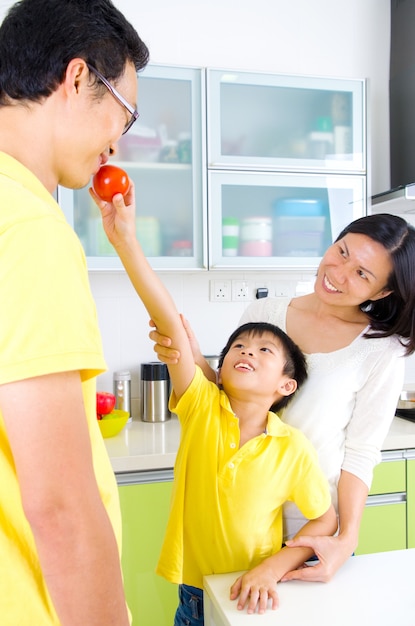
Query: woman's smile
(329, 286)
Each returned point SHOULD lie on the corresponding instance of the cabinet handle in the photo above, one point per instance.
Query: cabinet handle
(386, 498)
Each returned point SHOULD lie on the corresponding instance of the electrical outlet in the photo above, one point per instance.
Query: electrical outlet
(220, 290)
(284, 289)
(240, 290)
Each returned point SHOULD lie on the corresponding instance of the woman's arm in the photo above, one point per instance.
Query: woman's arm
(332, 552)
(118, 218)
(260, 583)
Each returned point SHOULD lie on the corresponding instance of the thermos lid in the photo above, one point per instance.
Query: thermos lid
(122, 375)
(154, 370)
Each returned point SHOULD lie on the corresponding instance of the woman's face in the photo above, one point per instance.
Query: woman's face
(353, 270)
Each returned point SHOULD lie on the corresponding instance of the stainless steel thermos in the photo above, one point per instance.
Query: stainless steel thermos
(122, 391)
(155, 389)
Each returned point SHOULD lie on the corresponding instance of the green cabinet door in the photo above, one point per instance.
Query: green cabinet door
(144, 508)
(410, 479)
(383, 525)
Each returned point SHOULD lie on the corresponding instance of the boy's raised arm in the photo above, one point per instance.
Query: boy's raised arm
(118, 219)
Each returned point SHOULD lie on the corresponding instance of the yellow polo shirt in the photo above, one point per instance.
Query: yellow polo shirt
(226, 510)
(48, 324)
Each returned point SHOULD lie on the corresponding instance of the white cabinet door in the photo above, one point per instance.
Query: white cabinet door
(273, 121)
(277, 220)
(163, 154)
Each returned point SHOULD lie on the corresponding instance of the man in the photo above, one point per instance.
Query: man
(68, 85)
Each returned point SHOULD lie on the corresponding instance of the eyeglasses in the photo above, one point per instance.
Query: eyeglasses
(134, 113)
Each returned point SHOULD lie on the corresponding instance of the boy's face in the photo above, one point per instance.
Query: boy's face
(256, 363)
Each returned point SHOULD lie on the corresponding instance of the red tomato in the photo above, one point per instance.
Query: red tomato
(110, 180)
(105, 402)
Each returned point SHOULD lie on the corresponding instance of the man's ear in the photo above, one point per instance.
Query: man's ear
(75, 72)
(288, 387)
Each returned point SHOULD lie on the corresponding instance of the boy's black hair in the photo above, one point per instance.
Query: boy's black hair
(295, 362)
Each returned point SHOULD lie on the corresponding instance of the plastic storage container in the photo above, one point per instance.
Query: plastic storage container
(256, 236)
(300, 226)
(230, 236)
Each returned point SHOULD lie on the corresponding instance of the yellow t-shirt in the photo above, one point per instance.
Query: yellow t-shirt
(226, 510)
(48, 324)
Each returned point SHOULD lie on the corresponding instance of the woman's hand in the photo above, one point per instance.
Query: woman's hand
(163, 343)
(254, 589)
(162, 348)
(331, 552)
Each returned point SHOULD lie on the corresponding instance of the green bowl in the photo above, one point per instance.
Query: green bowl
(113, 423)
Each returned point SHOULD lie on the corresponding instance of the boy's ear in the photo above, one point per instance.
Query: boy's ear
(288, 387)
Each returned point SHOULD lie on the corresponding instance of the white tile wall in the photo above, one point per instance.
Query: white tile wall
(124, 321)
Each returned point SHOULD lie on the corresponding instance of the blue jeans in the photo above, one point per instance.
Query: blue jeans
(190, 609)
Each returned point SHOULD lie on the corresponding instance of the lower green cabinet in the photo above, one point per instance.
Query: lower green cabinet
(144, 508)
(384, 521)
(410, 480)
(383, 528)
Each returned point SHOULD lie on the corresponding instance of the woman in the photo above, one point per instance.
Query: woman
(354, 328)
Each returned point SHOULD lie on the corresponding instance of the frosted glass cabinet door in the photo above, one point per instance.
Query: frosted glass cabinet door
(285, 122)
(162, 154)
(274, 220)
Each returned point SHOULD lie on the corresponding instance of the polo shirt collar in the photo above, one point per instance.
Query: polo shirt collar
(275, 427)
(19, 173)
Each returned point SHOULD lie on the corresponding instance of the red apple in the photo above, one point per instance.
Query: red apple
(105, 402)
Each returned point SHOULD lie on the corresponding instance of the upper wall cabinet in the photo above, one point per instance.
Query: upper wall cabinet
(267, 121)
(278, 220)
(236, 170)
(163, 154)
(286, 167)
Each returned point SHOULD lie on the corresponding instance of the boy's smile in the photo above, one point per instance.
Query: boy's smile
(244, 366)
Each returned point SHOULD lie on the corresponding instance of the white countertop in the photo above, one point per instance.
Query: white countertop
(142, 446)
(368, 589)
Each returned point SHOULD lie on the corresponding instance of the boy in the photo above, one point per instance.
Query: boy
(237, 462)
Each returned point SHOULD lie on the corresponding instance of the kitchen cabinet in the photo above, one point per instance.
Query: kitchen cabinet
(163, 155)
(145, 501)
(284, 220)
(384, 521)
(286, 166)
(236, 169)
(410, 486)
(280, 122)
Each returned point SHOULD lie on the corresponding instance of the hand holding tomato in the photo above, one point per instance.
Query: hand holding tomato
(105, 403)
(110, 180)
